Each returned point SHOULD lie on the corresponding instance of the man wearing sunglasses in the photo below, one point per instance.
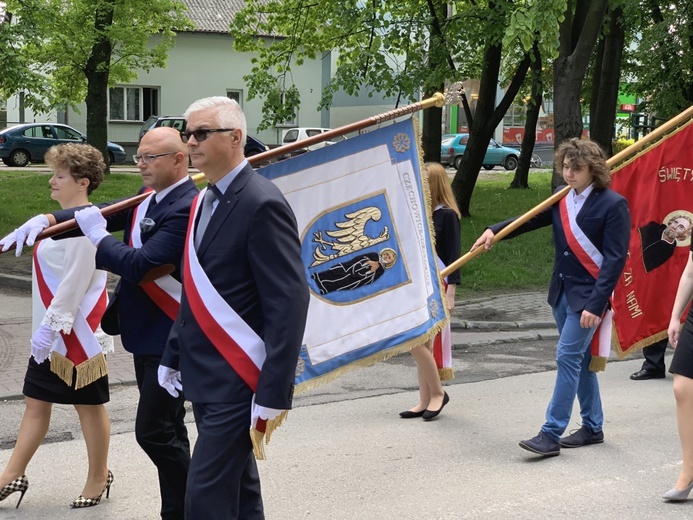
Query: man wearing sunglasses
(235, 345)
(143, 313)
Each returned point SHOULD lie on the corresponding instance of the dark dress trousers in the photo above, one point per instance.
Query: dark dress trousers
(144, 328)
(251, 254)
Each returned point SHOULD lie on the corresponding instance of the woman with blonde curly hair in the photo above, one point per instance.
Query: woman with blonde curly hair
(67, 363)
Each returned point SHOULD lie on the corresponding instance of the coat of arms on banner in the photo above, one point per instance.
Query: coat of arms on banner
(351, 252)
(361, 208)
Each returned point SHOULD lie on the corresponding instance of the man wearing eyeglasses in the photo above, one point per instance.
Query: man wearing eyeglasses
(143, 313)
(235, 345)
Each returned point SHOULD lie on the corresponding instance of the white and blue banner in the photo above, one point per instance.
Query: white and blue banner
(363, 219)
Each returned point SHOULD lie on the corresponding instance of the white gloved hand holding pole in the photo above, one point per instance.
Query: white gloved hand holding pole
(25, 234)
(92, 224)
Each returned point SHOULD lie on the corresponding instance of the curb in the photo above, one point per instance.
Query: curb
(15, 281)
(462, 325)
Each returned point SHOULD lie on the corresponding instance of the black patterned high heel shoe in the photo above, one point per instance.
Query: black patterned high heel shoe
(19, 484)
(81, 501)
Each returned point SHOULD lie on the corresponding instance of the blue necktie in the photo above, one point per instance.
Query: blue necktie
(205, 213)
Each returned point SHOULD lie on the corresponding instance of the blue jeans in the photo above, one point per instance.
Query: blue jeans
(573, 376)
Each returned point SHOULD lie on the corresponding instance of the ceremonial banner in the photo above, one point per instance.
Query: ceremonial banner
(658, 183)
(361, 207)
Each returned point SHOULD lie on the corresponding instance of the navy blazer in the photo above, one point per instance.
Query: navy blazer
(251, 253)
(605, 220)
(143, 326)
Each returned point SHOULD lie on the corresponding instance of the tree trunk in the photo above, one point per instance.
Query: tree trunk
(604, 114)
(432, 130)
(578, 35)
(521, 178)
(97, 70)
(486, 119)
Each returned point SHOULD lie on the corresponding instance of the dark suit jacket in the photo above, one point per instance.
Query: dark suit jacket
(605, 220)
(143, 326)
(252, 255)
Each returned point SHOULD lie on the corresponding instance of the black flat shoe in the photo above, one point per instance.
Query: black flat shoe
(408, 414)
(432, 414)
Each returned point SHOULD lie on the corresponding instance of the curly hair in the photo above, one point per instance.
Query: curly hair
(83, 161)
(577, 152)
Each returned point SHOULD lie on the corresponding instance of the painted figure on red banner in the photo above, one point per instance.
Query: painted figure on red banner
(591, 231)
(659, 241)
(235, 345)
(682, 368)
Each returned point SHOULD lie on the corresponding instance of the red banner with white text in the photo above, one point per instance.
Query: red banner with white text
(658, 184)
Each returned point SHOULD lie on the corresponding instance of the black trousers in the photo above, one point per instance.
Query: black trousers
(160, 431)
(654, 356)
(223, 482)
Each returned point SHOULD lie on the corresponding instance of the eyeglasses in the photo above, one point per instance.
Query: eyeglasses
(202, 134)
(149, 158)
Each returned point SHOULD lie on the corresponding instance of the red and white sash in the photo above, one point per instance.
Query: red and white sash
(442, 343)
(165, 292)
(591, 259)
(80, 346)
(239, 345)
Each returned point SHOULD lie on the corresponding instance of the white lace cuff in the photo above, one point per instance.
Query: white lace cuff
(58, 322)
(106, 342)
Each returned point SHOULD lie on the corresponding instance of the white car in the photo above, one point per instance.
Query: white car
(299, 134)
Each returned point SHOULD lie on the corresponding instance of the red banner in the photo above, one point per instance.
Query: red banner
(658, 184)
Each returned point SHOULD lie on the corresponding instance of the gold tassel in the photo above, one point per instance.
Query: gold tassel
(260, 439)
(446, 374)
(256, 437)
(91, 370)
(62, 367)
(598, 364)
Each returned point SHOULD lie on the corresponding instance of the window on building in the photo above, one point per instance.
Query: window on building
(515, 116)
(132, 103)
(236, 95)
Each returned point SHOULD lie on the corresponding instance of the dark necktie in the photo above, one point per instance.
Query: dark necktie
(152, 204)
(205, 213)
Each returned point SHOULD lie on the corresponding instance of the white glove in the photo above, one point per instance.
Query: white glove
(92, 224)
(169, 380)
(41, 343)
(262, 412)
(25, 234)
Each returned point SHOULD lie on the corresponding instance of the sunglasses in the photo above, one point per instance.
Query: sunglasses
(202, 134)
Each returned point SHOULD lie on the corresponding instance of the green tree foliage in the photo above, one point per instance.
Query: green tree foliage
(398, 49)
(63, 52)
(662, 62)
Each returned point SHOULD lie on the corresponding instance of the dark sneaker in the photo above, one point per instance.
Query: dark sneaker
(542, 444)
(582, 437)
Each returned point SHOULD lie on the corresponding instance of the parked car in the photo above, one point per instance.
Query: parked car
(299, 134)
(22, 144)
(253, 146)
(452, 147)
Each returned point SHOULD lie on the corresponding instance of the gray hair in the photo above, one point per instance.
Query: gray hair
(228, 114)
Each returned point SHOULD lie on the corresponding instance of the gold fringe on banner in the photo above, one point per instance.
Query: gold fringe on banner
(91, 370)
(598, 364)
(62, 367)
(446, 374)
(260, 439)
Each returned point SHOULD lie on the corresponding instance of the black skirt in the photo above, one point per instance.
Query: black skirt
(42, 384)
(682, 362)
